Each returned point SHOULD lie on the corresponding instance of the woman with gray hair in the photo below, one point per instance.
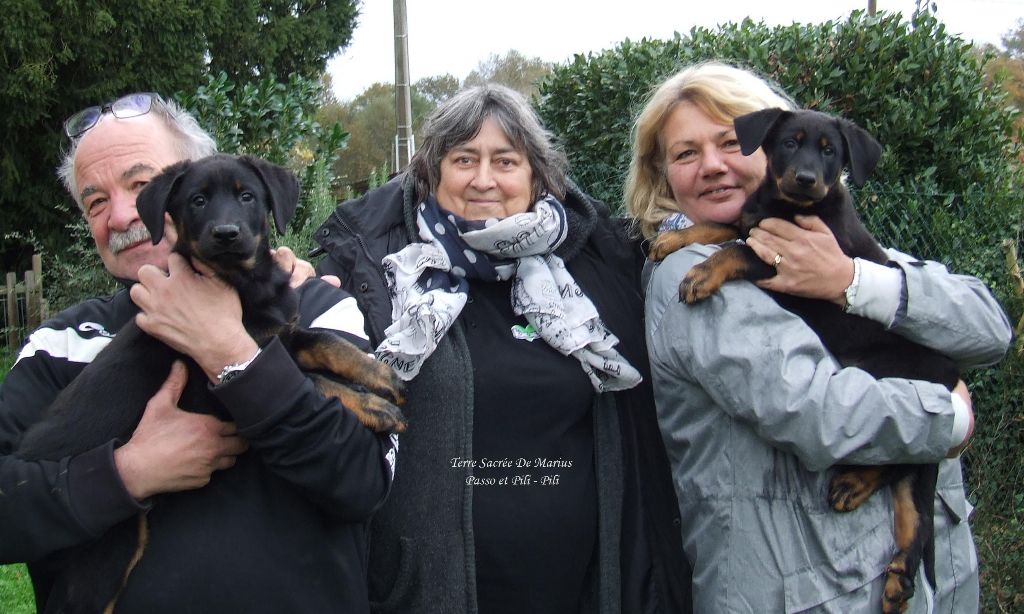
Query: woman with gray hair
(533, 477)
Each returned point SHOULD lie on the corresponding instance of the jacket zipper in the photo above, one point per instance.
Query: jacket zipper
(362, 245)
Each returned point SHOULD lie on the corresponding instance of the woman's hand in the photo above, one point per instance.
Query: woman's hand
(811, 263)
(299, 270)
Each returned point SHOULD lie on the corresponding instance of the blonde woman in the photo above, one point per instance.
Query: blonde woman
(753, 410)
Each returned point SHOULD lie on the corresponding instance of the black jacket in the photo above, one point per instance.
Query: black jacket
(281, 531)
(421, 545)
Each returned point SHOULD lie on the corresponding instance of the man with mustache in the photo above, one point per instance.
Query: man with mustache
(275, 528)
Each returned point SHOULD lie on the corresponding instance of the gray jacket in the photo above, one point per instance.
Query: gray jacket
(754, 411)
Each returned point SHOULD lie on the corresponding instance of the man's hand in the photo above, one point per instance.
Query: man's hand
(193, 312)
(299, 270)
(173, 450)
(812, 265)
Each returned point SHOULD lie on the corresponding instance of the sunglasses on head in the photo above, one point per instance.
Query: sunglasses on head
(132, 105)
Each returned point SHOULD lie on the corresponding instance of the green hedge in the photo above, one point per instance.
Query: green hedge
(917, 89)
(948, 187)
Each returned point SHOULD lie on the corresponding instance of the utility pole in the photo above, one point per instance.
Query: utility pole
(871, 8)
(404, 146)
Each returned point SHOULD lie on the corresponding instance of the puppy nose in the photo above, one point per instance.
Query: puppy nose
(805, 178)
(225, 233)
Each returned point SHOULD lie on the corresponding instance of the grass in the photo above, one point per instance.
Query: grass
(15, 589)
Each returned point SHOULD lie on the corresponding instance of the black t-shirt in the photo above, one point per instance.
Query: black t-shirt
(535, 505)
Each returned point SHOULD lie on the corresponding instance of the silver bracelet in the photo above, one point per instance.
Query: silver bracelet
(851, 290)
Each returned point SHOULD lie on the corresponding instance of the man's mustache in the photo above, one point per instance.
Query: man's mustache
(123, 239)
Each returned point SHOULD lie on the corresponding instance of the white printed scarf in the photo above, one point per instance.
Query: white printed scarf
(429, 287)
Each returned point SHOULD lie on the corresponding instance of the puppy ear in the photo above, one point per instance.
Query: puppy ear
(283, 188)
(753, 128)
(862, 151)
(153, 200)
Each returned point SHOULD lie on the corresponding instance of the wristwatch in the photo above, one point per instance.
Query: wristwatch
(231, 371)
(851, 290)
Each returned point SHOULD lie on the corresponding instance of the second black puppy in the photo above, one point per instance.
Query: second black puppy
(219, 206)
(806, 153)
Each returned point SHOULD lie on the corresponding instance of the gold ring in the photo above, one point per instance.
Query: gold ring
(777, 261)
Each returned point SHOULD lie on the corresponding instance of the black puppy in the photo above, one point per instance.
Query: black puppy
(219, 208)
(806, 152)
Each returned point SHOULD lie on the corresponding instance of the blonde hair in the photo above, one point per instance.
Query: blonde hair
(722, 92)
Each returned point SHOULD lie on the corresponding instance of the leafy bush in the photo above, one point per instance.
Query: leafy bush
(275, 121)
(947, 187)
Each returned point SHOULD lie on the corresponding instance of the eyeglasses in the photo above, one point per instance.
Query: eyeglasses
(132, 105)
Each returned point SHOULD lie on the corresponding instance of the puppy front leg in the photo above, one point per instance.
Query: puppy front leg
(709, 233)
(372, 411)
(322, 351)
(733, 262)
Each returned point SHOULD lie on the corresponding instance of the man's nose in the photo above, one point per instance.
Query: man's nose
(123, 212)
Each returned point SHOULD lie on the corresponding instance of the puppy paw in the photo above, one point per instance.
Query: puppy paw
(849, 489)
(847, 492)
(383, 381)
(899, 588)
(373, 411)
(379, 415)
(700, 282)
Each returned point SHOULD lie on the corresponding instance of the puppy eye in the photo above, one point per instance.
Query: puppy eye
(198, 201)
(246, 198)
(828, 150)
(790, 144)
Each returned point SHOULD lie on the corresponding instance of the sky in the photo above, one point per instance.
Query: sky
(453, 36)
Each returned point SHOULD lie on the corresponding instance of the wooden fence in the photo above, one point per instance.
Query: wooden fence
(23, 305)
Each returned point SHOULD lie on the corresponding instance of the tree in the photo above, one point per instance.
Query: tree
(1013, 41)
(370, 120)
(1005, 67)
(288, 36)
(436, 90)
(514, 70)
(59, 56)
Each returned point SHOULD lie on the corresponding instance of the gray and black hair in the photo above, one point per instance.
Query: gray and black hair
(459, 120)
(191, 142)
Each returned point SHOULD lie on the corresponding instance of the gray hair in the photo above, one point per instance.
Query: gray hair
(191, 142)
(459, 120)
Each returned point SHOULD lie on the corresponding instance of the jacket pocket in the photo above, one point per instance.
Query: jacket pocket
(398, 599)
(950, 491)
(846, 570)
